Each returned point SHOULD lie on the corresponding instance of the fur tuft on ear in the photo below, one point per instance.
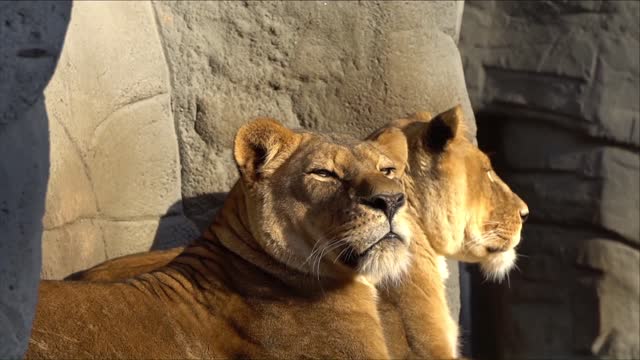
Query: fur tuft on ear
(257, 143)
(393, 143)
(421, 116)
(443, 128)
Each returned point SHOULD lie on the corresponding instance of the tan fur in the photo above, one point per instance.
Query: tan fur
(127, 266)
(465, 209)
(279, 274)
(414, 313)
(452, 193)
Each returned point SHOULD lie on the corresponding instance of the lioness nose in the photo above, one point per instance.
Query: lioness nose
(388, 203)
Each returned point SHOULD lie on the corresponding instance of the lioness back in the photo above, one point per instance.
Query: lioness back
(127, 266)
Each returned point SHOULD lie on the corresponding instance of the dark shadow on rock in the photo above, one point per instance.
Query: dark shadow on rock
(181, 224)
(31, 39)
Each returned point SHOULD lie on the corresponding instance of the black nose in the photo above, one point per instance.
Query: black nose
(524, 214)
(388, 203)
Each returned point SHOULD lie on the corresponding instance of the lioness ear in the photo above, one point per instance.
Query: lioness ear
(443, 128)
(256, 145)
(422, 116)
(393, 143)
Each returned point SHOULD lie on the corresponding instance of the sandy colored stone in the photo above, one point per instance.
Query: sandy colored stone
(71, 248)
(134, 162)
(70, 192)
(113, 142)
(112, 58)
(128, 237)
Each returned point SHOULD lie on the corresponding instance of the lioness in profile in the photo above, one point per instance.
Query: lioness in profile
(285, 271)
(465, 209)
(478, 219)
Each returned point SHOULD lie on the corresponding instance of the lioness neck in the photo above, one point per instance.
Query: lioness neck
(229, 252)
(443, 229)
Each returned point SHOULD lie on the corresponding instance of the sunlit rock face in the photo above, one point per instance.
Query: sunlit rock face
(115, 168)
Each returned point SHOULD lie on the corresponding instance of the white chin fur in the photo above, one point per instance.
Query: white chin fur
(496, 267)
(443, 269)
(386, 268)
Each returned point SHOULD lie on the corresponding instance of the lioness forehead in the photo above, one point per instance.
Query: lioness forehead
(339, 139)
(338, 148)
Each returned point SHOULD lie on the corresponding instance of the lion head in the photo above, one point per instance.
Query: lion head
(326, 204)
(464, 208)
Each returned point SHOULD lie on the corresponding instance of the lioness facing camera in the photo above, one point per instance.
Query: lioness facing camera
(285, 270)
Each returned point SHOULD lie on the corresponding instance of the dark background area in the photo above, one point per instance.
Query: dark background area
(555, 89)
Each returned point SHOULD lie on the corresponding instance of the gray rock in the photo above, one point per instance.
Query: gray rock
(572, 179)
(592, 307)
(32, 35)
(562, 81)
(563, 63)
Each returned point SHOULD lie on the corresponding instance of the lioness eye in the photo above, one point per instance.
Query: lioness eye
(388, 171)
(324, 173)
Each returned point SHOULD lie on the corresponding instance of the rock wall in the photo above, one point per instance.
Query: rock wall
(31, 36)
(556, 90)
(115, 171)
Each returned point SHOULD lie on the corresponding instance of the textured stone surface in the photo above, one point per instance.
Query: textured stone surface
(574, 180)
(164, 233)
(115, 165)
(557, 86)
(31, 36)
(330, 66)
(573, 65)
(594, 307)
(71, 247)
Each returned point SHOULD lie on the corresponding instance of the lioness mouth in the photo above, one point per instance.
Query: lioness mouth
(351, 257)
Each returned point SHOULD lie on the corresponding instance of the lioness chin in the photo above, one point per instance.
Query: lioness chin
(285, 270)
